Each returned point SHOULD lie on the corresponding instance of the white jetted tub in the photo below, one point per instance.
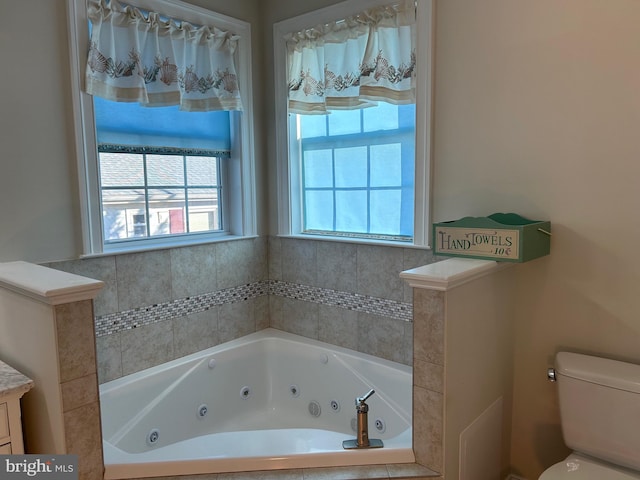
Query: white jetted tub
(270, 400)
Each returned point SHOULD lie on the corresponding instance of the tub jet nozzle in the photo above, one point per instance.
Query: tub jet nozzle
(362, 440)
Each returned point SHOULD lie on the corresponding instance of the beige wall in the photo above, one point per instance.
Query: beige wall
(38, 187)
(537, 109)
(538, 112)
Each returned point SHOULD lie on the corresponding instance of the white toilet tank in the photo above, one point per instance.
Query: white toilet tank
(600, 407)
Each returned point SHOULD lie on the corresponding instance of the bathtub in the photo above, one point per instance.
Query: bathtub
(269, 400)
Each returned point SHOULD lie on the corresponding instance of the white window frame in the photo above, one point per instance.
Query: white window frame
(241, 214)
(288, 187)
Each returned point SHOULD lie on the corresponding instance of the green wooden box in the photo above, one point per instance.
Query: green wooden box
(504, 237)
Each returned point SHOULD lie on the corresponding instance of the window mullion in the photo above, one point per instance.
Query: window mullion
(368, 189)
(186, 193)
(334, 212)
(219, 191)
(146, 196)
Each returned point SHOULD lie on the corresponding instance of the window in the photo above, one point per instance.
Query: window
(177, 194)
(160, 176)
(357, 173)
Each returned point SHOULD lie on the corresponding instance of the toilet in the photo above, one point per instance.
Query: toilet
(600, 414)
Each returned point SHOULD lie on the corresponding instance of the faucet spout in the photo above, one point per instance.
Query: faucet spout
(361, 400)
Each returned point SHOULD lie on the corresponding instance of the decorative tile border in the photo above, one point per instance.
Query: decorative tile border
(138, 317)
(336, 298)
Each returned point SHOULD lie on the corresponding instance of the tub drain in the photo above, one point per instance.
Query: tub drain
(314, 409)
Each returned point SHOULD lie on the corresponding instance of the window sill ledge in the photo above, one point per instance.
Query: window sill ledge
(165, 245)
(359, 241)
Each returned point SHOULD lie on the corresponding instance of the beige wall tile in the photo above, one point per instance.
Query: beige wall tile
(346, 473)
(274, 475)
(297, 317)
(193, 270)
(143, 279)
(76, 340)
(109, 353)
(428, 428)
(236, 320)
(410, 470)
(195, 332)
(299, 261)
(84, 438)
(146, 346)
(240, 262)
(79, 392)
(261, 312)
(428, 375)
(378, 270)
(338, 326)
(428, 326)
(337, 266)
(381, 336)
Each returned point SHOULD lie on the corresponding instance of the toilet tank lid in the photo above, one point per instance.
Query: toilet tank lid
(602, 371)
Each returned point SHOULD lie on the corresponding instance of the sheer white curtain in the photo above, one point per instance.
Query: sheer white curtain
(141, 57)
(353, 61)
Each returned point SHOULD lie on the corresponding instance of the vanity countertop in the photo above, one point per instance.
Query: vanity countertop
(12, 382)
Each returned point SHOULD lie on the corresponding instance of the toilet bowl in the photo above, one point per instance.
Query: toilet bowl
(580, 467)
(599, 402)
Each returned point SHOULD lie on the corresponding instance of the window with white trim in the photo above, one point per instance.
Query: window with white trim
(354, 165)
(157, 173)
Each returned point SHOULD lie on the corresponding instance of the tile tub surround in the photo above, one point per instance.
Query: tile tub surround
(139, 317)
(349, 308)
(371, 270)
(147, 336)
(329, 291)
(356, 271)
(163, 304)
(136, 280)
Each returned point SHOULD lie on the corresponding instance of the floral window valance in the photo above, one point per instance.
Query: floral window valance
(351, 62)
(140, 57)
